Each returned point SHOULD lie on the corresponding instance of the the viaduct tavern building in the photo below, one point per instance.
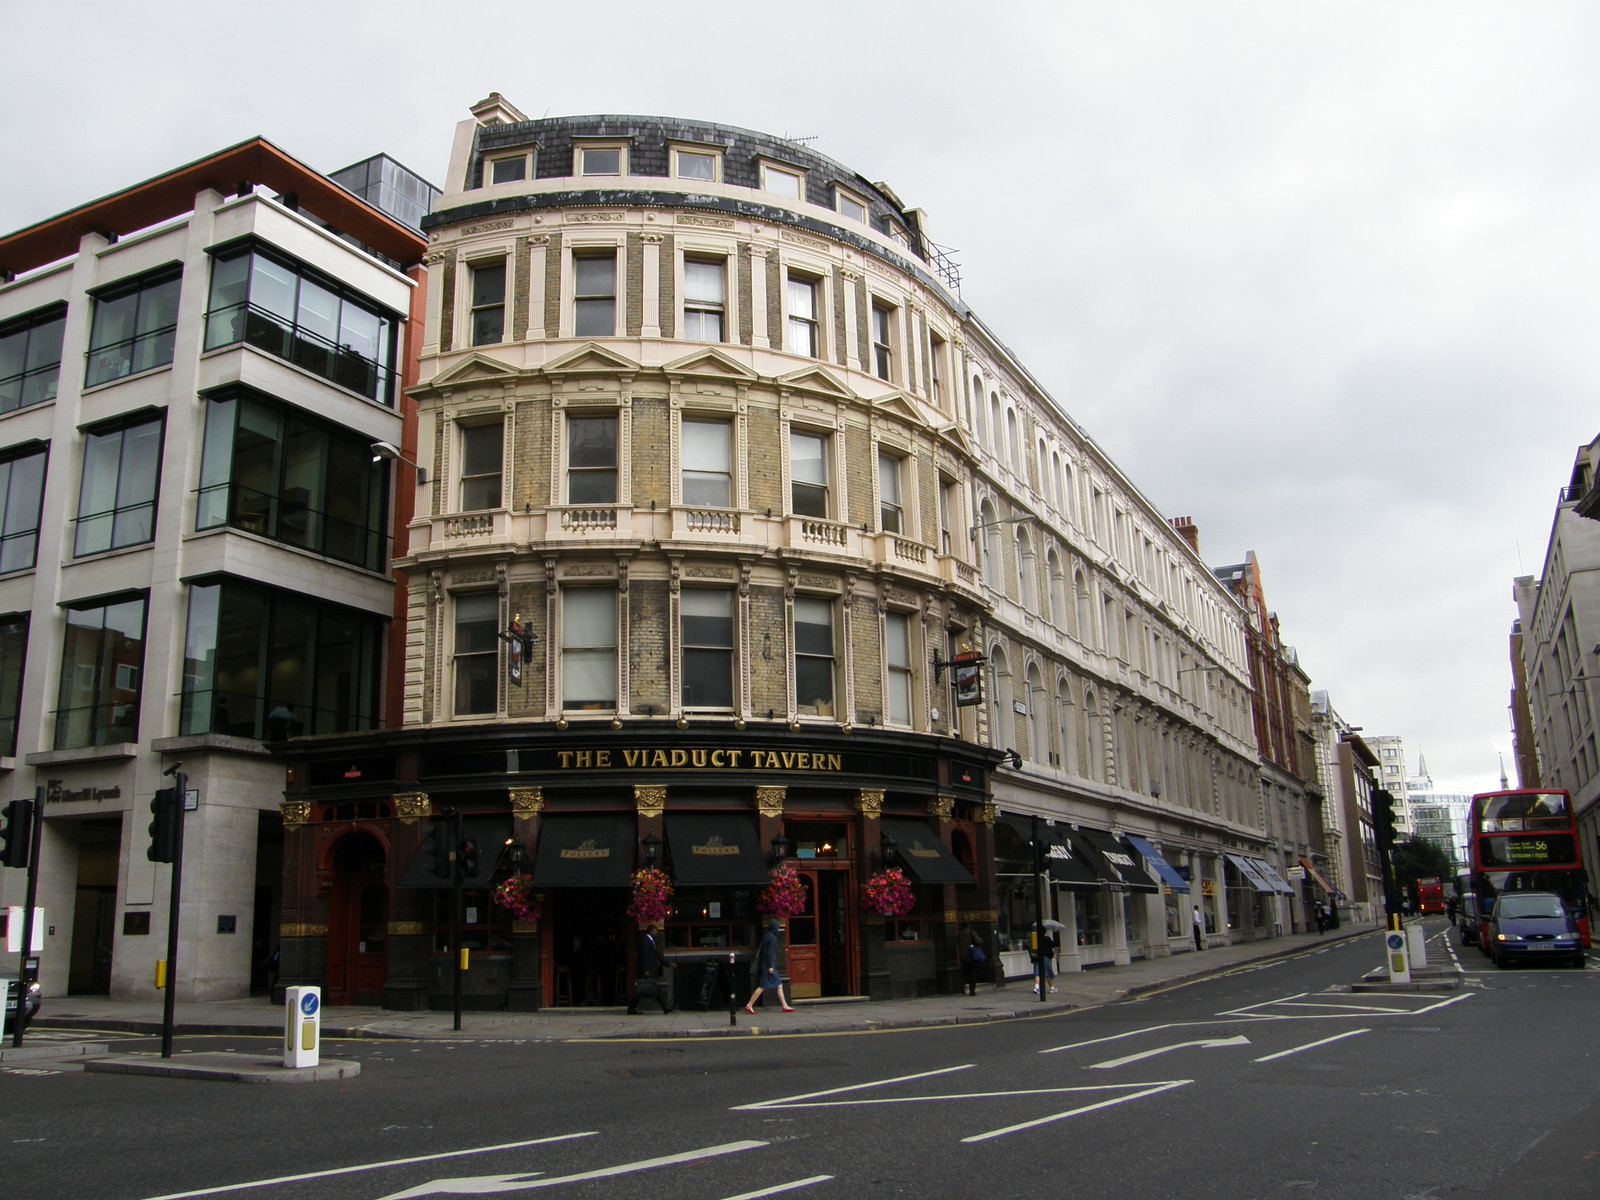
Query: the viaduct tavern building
(720, 489)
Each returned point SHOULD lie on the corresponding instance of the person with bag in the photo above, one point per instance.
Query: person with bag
(765, 969)
(1044, 959)
(972, 956)
(652, 966)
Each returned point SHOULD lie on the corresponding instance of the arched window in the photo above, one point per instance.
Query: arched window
(1069, 494)
(993, 433)
(1057, 610)
(1085, 629)
(988, 544)
(975, 420)
(1047, 479)
(1093, 755)
(1066, 727)
(1038, 710)
(1000, 710)
(1026, 590)
(1014, 441)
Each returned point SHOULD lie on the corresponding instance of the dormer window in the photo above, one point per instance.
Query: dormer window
(696, 163)
(602, 160)
(508, 170)
(849, 206)
(783, 181)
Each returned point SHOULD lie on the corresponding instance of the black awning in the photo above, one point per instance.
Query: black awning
(1063, 863)
(587, 850)
(1118, 862)
(716, 850)
(922, 853)
(490, 833)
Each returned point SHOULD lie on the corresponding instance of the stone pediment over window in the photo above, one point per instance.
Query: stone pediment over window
(475, 368)
(592, 359)
(817, 381)
(957, 440)
(895, 404)
(709, 363)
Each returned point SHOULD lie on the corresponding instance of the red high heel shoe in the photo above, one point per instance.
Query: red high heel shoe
(750, 1010)
(788, 1009)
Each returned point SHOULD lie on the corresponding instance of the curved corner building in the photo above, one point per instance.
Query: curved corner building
(740, 541)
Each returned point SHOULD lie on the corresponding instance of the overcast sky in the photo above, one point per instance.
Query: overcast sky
(1321, 276)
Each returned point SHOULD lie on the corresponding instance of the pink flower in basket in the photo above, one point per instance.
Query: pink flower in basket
(517, 895)
(888, 893)
(784, 896)
(652, 897)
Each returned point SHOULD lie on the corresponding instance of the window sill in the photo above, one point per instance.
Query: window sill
(50, 758)
(90, 389)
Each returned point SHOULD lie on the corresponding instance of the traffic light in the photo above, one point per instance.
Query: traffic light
(467, 859)
(1383, 817)
(164, 826)
(439, 848)
(16, 838)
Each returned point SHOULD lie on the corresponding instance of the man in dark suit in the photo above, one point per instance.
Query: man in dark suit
(652, 966)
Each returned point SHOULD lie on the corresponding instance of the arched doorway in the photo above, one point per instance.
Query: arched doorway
(358, 919)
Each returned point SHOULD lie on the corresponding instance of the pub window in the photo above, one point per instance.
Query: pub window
(706, 621)
(706, 460)
(589, 648)
(592, 460)
(813, 656)
(477, 658)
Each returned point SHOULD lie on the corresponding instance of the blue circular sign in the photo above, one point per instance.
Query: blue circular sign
(308, 1004)
(1396, 940)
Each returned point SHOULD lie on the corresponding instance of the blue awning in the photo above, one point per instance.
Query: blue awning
(1270, 873)
(1162, 867)
(1249, 874)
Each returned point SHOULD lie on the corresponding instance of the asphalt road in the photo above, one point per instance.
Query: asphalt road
(1270, 1081)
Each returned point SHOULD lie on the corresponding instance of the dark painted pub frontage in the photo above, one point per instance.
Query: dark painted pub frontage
(369, 892)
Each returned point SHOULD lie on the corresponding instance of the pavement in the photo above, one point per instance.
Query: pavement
(64, 1033)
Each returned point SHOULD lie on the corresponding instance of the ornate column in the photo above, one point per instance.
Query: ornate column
(876, 981)
(410, 957)
(526, 990)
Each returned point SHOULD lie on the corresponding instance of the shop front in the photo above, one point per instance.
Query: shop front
(1250, 899)
(597, 834)
(1175, 907)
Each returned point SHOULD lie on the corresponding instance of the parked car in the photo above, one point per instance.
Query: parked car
(1532, 925)
(1467, 920)
(30, 1008)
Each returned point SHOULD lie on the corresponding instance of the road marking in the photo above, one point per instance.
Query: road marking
(1130, 1033)
(1313, 1045)
(1204, 1043)
(788, 1101)
(780, 1188)
(1073, 1112)
(485, 1185)
(394, 1162)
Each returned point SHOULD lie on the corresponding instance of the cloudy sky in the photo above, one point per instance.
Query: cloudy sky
(1320, 275)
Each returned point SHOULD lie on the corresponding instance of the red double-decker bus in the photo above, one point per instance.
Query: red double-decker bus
(1430, 895)
(1526, 840)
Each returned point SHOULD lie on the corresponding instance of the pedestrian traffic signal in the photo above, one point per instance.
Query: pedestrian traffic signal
(467, 858)
(16, 838)
(164, 826)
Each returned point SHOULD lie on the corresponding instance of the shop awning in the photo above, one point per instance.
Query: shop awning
(1122, 868)
(1062, 863)
(1161, 866)
(1270, 874)
(1317, 875)
(587, 850)
(716, 850)
(489, 832)
(922, 853)
(1250, 874)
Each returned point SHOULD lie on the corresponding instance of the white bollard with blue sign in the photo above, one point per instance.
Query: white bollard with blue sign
(302, 1026)
(1394, 944)
(1417, 944)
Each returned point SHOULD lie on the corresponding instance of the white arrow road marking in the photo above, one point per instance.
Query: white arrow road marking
(1313, 1045)
(779, 1188)
(485, 1185)
(788, 1101)
(1149, 1090)
(1208, 1043)
(393, 1162)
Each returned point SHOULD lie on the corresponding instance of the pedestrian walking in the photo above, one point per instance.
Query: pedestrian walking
(1044, 960)
(652, 966)
(1321, 915)
(1199, 929)
(765, 970)
(1451, 906)
(972, 956)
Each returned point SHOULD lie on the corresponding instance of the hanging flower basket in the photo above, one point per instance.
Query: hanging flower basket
(652, 897)
(888, 893)
(784, 896)
(517, 895)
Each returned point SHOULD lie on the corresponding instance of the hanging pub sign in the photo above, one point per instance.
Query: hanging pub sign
(519, 646)
(967, 677)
